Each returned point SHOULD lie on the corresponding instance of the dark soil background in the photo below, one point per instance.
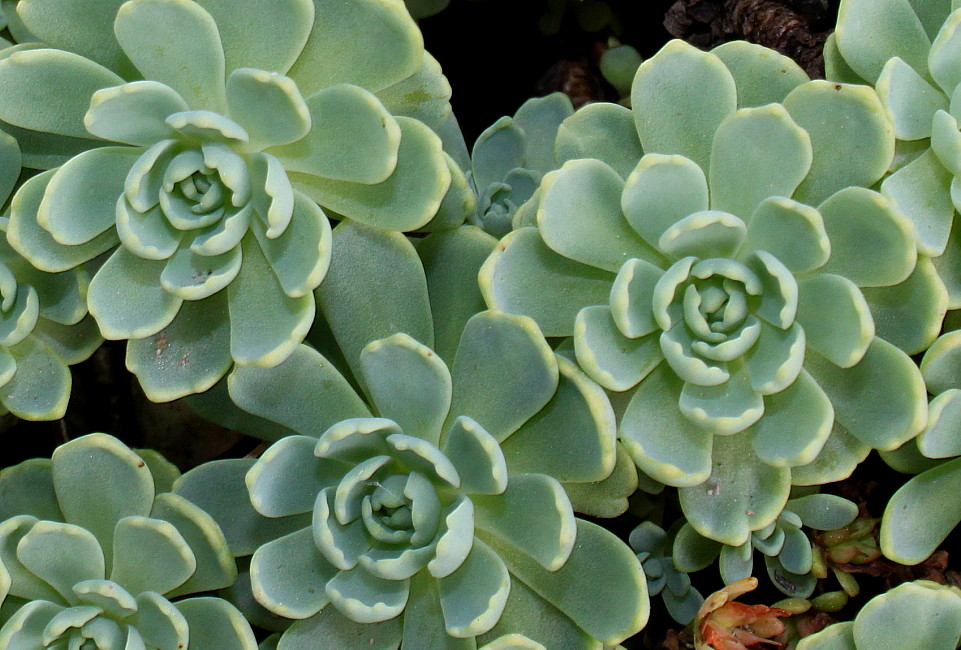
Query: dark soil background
(496, 55)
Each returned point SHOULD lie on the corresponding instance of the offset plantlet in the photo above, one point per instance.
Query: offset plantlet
(740, 319)
(440, 520)
(788, 553)
(44, 326)
(201, 179)
(510, 158)
(653, 547)
(110, 563)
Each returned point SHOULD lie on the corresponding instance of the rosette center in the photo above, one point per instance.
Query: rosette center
(392, 512)
(706, 309)
(201, 185)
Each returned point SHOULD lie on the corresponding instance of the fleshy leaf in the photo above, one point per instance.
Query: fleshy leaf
(172, 561)
(533, 515)
(602, 131)
(219, 488)
(503, 373)
(134, 113)
(922, 513)
(793, 232)
(98, 506)
(665, 444)
(757, 153)
(921, 189)
(851, 137)
(797, 421)
(279, 30)
(341, 632)
(356, 283)
(476, 456)
(723, 409)
(451, 262)
(881, 400)
(609, 610)
(740, 495)
(385, 48)
(304, 393)
(923, 615)
(910, 100)
(473, 597)
(49, 90)
(940, 438)
(81, 200)
(216, 567)
(612, 360)
(366, 598)
(27, 489)
(872, 31)
(29, 239)
(858, 221)
(351, 138)
(214, 623)
(580, 217)
(499, 149)
(256, 298)
(909, 314)
(300, 257)
(409, 384)
(836, 318)
(670, 101)
(288, 575)
(187, 356)
(165, 40)
(41, 386)
(127, 300)
(581, 410)
(86, 28)
(661, 191)
(61, 555)
(524, 276)
(408, 199)
(268, 106)
(762, 75)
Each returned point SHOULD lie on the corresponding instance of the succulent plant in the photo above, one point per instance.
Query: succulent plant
(653, 547)
(94, 556)
(44, 326)
(788, 553)
(920, 614)
(510, 158)
(202, 140)
(441, 519)
(705, 281)
(910, 52)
